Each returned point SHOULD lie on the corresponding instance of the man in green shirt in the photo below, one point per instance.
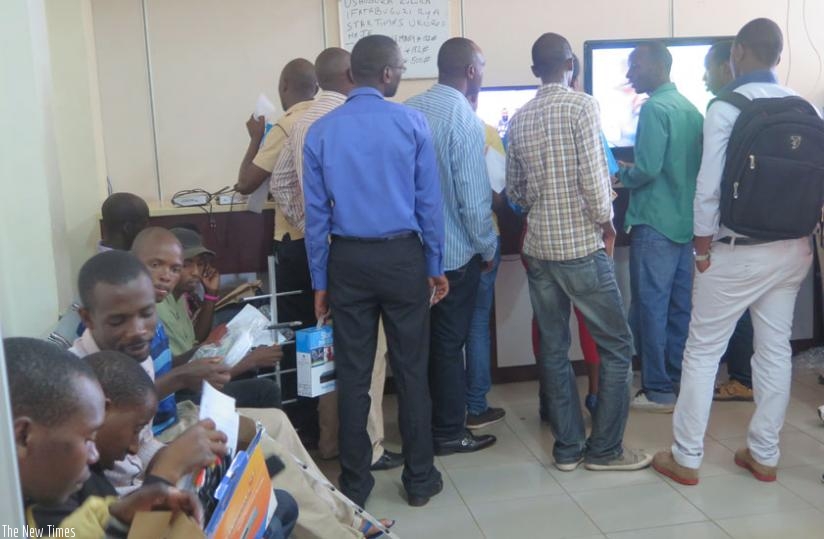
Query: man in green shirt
(659, 219)
(185, 332)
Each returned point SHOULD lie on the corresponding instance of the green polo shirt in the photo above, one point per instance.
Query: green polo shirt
(667, 158)
(179, 328)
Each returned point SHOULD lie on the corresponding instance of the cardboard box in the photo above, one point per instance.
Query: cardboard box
(316, 361)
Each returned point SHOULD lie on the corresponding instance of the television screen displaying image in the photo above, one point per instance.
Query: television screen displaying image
(605, 69)
(497, 104)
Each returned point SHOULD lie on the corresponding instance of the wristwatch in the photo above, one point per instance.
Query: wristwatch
(701, 258)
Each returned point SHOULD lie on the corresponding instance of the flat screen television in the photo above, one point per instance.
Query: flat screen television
(497, 104)
(605, 69)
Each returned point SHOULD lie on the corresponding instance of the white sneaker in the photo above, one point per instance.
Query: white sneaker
(630, 460)
(641, 402)
(568, 466)
(821, 413)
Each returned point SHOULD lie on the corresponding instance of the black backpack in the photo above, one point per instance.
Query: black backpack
(773, 182)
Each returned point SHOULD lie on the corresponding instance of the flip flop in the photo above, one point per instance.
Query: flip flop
(368, 527)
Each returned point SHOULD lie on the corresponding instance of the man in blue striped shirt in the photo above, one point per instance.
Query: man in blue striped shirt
(370, 181)
(471, 240)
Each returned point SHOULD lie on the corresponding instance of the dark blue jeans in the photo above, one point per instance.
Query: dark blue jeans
(449, 330)
(589, 284)
(661, 282)
(285, 517)
(479, 343)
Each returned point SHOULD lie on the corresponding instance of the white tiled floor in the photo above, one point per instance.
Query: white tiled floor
(511, 490)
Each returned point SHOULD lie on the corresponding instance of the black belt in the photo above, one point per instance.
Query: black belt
(401, 236)
(742, 241)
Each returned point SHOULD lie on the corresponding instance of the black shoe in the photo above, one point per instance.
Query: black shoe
(388, 461)
(468, 443)
(420, 501)
(484, 419)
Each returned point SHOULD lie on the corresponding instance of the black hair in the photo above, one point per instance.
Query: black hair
(121, 210)
(763, 37)
(123, 380)
(454, 55)
(42, 378)
(720, 52)
(549, 54)
(659, 54)
(111, 267)
(370, 55)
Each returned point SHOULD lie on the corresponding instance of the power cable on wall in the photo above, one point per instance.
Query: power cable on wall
(789, 45)
(812, 44)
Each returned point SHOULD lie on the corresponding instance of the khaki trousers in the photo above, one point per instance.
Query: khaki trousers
(328, 410)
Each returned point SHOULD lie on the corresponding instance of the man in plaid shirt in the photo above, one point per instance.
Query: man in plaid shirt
(557, 172)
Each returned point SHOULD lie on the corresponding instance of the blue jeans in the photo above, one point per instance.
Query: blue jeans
(660, 273)
(478, 344)
(449, 327)
(588, 283)
(740, 350)
(285, 517)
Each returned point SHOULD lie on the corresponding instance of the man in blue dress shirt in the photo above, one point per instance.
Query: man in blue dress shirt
(371, 184)
(471, 240)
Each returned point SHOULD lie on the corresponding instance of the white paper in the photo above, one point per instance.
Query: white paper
(496, 167)
(248, 317)
(265, 108)
(220, 408)
(258, 197)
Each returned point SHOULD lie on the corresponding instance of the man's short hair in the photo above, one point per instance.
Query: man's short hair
(659, 54)
(720, 52)
(763, 37)
(42, 380)
(454, 55)
(370, 55)
(123, 380)
(111, 267)
(549, 53)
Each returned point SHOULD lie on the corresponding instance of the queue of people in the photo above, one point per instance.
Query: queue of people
(385, 221)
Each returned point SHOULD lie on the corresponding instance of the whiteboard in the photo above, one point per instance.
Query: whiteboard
(418, 26)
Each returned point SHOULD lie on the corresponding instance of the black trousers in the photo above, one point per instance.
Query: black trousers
(451, 319)
(366, 281)
(247, 392)
(292, 273)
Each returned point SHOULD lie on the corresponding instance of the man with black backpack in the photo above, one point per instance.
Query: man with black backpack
(758, 197)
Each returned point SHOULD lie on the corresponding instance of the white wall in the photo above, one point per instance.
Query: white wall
(30, 279)
(208, 60)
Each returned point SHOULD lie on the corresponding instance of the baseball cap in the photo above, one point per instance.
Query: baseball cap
(192, 243)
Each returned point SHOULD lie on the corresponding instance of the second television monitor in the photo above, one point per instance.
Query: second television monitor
(605, 69)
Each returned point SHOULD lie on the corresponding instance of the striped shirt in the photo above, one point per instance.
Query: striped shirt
(557, 172)
(459, 140)
(287, 176)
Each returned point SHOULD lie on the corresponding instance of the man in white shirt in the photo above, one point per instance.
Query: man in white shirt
(735, 273)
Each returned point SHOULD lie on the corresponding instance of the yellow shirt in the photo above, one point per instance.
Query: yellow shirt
(267, 157)
(89, 521)
(494, 143)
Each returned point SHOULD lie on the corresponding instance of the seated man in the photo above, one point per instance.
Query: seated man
(58, 407)
(185, 333)
(131, 402)
(124, 215)
(119, 314)
(159, 250)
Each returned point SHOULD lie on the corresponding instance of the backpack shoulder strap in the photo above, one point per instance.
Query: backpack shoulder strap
(735, 99)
